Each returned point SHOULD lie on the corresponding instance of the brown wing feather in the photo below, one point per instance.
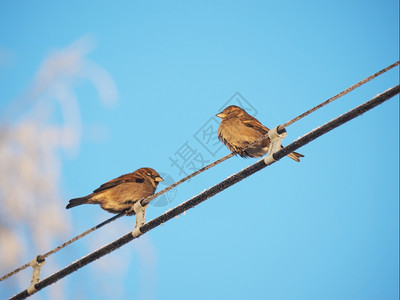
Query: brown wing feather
(131, 177)
(253, 122)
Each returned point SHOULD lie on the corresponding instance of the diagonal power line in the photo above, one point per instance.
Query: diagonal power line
(149, 199)
(41, 258)
(235, 178)
(341, 94)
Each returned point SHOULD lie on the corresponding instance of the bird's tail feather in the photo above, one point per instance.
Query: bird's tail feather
(296, 156)
(77, 201)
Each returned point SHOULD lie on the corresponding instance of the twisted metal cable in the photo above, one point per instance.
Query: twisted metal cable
(149, 199)
(231, 180)
(341, 94)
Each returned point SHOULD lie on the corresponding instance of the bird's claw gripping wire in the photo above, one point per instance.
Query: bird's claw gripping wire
(36, 264)
(140, 212)
(276, 135)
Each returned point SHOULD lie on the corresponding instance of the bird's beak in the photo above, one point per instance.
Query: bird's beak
(221, 115)
(158, 179)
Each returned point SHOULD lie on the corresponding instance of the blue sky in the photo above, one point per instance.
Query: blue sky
(148, 77)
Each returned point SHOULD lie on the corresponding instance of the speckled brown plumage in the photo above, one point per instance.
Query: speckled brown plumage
(119, 194)
(238, 130)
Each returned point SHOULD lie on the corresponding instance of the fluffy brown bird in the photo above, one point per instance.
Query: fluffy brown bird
(238, 130)
(121, 193)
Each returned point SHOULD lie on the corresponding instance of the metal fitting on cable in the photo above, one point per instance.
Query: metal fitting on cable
(276, 135)
(36, 264)
(140, 212)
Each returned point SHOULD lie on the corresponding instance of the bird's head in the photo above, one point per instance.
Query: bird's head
(231, 111)
(151, 175)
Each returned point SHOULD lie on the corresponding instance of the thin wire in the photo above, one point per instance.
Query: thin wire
(149, 199)
(15, 271)
(42, 257)
(231, 180)
(346, 91)
(281, 128)
(144, 202)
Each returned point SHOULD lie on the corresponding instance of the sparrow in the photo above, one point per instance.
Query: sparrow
(119, 194)
(238, 130)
